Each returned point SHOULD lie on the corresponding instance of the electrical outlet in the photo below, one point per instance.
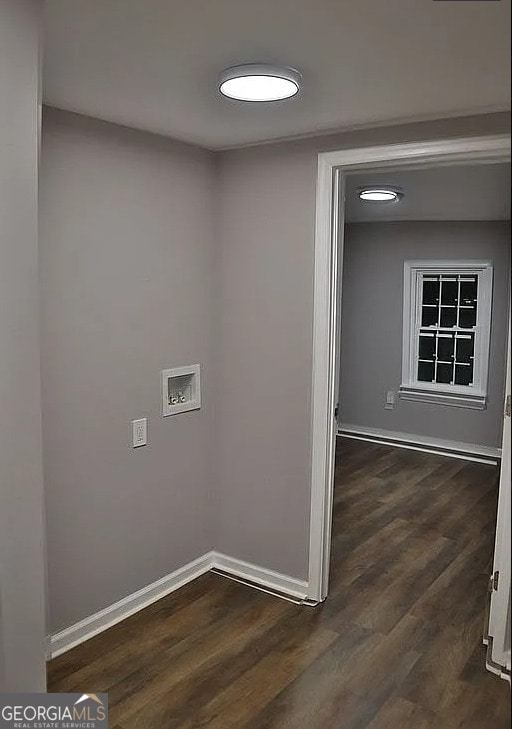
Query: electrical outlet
(390, 400)
(139, 432)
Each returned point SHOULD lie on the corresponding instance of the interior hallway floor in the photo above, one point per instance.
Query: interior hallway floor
(397, 645)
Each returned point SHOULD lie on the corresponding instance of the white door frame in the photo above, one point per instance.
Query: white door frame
(327, 292)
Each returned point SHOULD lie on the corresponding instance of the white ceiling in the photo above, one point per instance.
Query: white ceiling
(460, 192)
(153, 64)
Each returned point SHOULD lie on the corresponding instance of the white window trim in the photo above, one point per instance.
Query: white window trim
(462, 396)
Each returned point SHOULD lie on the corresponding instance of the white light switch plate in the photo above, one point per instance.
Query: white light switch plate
(139, 432)
(390, 400)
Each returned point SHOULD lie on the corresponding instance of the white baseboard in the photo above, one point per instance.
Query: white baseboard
(78, 633)
(453, 449)
(261, 578)
(258, 577)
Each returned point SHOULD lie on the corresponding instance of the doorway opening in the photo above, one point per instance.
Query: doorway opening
(396, 406)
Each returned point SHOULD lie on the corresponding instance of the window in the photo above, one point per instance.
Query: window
(447, 318)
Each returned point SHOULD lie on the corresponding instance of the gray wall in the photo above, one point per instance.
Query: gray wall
(371, 345)
(22, 665)
(155, 254)
(126, 261)
(266, 242)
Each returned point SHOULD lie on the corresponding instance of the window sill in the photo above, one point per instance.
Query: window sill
(473, 402)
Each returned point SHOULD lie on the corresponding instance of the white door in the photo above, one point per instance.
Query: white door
(498, 633)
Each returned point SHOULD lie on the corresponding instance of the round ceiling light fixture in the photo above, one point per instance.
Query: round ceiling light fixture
(380, 193)
(259, 82)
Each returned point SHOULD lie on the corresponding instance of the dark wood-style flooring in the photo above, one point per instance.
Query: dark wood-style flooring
(397, 645)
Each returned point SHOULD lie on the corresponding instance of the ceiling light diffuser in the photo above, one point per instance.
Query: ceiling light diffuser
(380, 194)
(259, 82)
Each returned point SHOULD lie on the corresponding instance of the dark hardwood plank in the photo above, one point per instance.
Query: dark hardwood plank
(396, 645)
(398, 713)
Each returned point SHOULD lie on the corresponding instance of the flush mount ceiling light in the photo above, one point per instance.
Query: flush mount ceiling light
(380, 193)
(259, 82)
